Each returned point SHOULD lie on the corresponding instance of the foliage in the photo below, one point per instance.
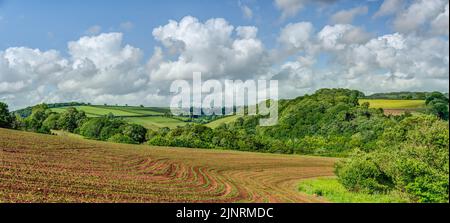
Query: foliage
(438, 105)
(6, 119)
(120, 138)
(412, 158)
(71, 119)
(332, 190)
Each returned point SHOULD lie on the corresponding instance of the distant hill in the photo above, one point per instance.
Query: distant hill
(404, 95)
(25, 112)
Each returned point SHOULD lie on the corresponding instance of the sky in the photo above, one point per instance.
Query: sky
(129, 52)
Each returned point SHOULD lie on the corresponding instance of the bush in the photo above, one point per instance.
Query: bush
(363, 174)
(412, 158)
(136, 132)
(119, 138)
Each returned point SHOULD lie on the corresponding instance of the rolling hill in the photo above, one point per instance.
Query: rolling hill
(151, 118)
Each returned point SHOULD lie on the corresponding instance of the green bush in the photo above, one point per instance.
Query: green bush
(362, 173)
(119, 138)
(412, 158)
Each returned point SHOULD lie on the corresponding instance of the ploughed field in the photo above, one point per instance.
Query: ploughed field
(45, 168)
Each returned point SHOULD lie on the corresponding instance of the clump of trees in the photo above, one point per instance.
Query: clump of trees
(43, 120)
(412, 158)
(113, 129)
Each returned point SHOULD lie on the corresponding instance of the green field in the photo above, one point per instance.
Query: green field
(224, 120)
(96, 111)
(330, 189)
(151, 118)
(394, 104)
(156, 122)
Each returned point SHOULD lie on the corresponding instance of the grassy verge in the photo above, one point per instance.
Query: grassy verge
(333, 191)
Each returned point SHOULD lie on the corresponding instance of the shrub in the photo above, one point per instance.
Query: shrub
(363, 174)
(120, 138)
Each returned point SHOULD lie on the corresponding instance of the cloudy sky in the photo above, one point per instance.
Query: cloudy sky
(128, 52)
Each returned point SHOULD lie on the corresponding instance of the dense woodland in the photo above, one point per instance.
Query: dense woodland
(406, 154)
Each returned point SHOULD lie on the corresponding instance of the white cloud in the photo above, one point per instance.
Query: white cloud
(102, 69)
(418, 14)
(339, 36)
(440, 24)
(296, 36)
(347, 16)
(289, 8)
(209, 48)
(389, 7)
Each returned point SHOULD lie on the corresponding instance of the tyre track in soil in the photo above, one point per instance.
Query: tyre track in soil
(42, 168)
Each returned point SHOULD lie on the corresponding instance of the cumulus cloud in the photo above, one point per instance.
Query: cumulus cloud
(208, 47)
(440, 25)
(418, 14)
(389, 7)
(347, 16)
(103, 69)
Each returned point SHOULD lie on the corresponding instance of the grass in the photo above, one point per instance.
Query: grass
(156, 122)
(331, 190)
(96, 111)
(151, 118)
(45, 168)
(224, 120)
(394, 104)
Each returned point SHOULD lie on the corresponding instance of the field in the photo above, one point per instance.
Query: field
(224, 120)
(156, 122)
(97, 111)
(44, 168)
(151, 118)
(395, 107)
(332, 190)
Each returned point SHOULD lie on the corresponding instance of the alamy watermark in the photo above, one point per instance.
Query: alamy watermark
(229, 97)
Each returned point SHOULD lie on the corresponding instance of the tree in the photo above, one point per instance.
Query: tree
(71, 119)
(6, 118)
(135, 132)
(438, 105)
(52, 121)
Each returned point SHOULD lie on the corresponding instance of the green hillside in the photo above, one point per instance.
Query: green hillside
(224, 120)
(96, 111)
(156, 122)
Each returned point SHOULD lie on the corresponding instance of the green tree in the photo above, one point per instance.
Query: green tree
(71, 119)
(6, 119)
(438, 105)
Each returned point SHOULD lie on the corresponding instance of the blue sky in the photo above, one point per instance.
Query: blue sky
(128, 52)
(50, 24)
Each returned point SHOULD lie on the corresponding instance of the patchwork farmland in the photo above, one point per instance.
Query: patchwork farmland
(45, 168)
(150, 118)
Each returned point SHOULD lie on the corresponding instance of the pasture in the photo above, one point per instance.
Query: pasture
(45, 168)
(224, 120)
